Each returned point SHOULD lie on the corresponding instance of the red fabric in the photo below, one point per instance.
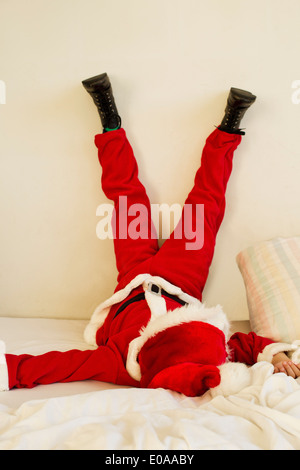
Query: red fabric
(120, 178)
(246, 347)
(161, 366)
(106, 364)
(188, 378)
(197, 345)
(26, 371)
(187, 269)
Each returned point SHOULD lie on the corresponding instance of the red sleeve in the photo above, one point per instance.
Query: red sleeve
(26, 371)
(246, 347)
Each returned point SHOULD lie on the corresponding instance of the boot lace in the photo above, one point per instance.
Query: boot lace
(104, 103)
(107, 109)
(233, 117)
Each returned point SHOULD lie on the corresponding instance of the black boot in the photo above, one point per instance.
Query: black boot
(100, 89)
(237, 104)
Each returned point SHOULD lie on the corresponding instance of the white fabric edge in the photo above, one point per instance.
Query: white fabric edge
(4, 384)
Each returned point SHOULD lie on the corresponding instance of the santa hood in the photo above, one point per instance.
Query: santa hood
(177, 349)
(191, 324)
(183, 358)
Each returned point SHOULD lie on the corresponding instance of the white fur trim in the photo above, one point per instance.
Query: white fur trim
(275, 348)
(192, 312)
(4, 384)
(234, 377)
(156, 303)
(95, 323)
(101, 312)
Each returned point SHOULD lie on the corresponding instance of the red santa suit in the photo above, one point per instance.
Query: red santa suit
(154, 331)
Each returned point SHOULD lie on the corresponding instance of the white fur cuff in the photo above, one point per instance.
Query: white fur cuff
(234, 377)
(275, 348)
(4, 385)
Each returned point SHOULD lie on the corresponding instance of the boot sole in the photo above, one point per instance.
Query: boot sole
(101, 80)
(239, 94)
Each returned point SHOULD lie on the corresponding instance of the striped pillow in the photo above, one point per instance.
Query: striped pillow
(271, 273)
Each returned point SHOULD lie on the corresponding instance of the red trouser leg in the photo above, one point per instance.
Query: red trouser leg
(135, 239)
(26, 371)
(184, 261)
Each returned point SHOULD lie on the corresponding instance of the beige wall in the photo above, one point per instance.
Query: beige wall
(171, 63)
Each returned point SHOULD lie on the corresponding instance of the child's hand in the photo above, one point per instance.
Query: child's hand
(282, 364)
(288, 368)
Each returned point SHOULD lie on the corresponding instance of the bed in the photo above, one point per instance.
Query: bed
(264, 415)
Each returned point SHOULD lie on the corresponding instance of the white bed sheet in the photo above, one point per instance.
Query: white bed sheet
(94, 415)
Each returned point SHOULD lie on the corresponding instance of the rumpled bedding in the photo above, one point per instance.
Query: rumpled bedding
(262, 416)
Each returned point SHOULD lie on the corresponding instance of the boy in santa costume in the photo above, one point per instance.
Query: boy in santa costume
(155, 331)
